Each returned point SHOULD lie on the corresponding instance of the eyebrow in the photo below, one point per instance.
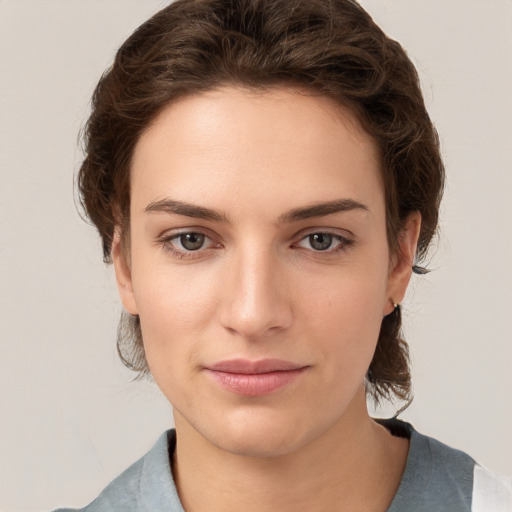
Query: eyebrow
(187, 209)
(321, 210)
(200, 212)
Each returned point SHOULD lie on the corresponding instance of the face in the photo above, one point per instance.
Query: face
(259, 265)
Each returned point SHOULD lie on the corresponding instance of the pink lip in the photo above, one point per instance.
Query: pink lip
(254, 378)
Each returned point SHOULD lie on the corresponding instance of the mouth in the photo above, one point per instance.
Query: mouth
(255, 378)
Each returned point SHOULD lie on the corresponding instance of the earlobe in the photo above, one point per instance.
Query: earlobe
(123, 276)
(402, 263)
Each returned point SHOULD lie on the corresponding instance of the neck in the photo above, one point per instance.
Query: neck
(356, 465)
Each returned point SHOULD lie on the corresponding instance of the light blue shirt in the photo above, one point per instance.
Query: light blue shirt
(436, 478)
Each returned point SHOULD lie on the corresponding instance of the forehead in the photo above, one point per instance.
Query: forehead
(232, 142)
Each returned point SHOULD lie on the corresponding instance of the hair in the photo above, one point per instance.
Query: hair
(329, 47)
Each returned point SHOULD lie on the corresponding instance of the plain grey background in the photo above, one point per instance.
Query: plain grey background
(70, 417)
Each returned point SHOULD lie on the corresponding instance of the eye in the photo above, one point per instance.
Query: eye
(187, 244)
(324, 242)
(320, 241)
(190, 241)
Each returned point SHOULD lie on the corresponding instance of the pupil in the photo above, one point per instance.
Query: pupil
(320, 241)
(192, 241)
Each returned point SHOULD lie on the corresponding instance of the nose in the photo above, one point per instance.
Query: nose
(256, 301)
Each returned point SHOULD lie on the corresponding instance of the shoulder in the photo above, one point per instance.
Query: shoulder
(439, 477)
(145, 485)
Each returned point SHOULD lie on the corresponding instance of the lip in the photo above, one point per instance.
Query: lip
(255, 378)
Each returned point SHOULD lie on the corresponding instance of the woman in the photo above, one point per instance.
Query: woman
(264, 177)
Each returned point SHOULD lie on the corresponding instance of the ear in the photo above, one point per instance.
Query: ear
(123, 275)
(401, 263)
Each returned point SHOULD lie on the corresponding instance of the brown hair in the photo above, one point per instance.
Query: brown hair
(331, 47)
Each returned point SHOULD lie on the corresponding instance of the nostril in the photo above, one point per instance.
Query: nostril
(251, 319)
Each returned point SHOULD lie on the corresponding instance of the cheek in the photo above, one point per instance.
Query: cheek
(174, 315)
(171, 294)
(345, 317)
(175, 307)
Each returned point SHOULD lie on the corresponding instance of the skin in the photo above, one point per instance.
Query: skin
(259, 289)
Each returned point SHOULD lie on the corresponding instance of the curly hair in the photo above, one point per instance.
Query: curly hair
(331, 47)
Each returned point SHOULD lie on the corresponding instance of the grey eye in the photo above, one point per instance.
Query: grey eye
(320, 241)
(192, 241)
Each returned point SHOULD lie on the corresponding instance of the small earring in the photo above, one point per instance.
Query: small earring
(396, 305)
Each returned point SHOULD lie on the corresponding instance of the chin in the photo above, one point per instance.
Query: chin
(260, 444)
(260, 434)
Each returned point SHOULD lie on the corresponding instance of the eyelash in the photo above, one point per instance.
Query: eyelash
(343, 242)
(168, 244)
